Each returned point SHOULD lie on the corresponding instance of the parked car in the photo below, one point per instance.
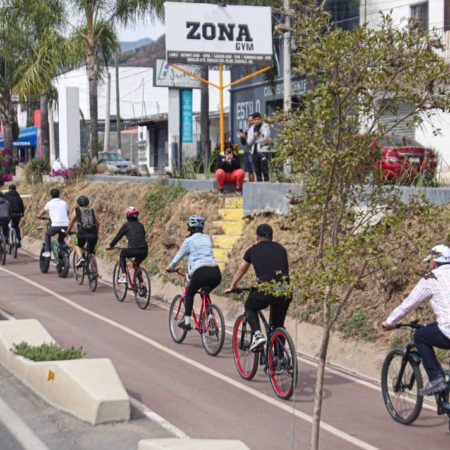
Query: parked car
(116, 163)
(404, 159)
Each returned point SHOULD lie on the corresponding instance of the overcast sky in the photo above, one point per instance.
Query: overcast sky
(141, 30)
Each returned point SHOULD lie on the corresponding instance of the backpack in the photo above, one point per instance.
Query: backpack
(86, 220)
(4, 209)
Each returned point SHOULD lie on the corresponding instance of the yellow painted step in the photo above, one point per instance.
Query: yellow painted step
(221, 254)
(234, 202)
(230, 227)
(224, 241)
(231, 214)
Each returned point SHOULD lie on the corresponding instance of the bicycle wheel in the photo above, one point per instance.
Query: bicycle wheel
(44, 263)
(78, 272)
(92, 272)
(120, 289)
(400, 383)
(2, 252)
(176, 315)
(245, 360)
(64, 264)
(283, 365)
(12, 242)
(214, 335)
(143, 289)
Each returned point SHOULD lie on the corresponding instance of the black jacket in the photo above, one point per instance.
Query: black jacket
(16, 202)
(228, 166)
(135, 233)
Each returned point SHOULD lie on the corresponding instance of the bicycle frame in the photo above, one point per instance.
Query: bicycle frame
(206, 301)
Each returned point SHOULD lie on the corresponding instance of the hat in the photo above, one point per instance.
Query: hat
(439, 254)
(264, 230)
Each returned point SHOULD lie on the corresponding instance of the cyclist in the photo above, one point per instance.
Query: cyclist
(58, 210)
(270, 262)
(5, 215)
(137, 242)
(87, 228)
(203, 269)
(435, 288)
(17, 209)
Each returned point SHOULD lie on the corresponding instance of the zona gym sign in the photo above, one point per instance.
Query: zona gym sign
(200, 33)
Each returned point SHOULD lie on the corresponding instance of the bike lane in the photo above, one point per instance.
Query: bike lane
(202, 395)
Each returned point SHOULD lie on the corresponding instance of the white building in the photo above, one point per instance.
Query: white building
(434, 15)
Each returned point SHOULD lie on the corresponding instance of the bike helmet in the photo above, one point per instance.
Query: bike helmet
(54, 193)
(196, 222)
(131, 211)
(83, 201)
(439, 254)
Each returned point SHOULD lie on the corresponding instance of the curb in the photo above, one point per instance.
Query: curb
(191, 444)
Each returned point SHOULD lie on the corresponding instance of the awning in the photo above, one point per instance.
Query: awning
(28, 137)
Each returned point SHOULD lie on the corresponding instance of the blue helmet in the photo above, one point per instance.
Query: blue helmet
(196, 222)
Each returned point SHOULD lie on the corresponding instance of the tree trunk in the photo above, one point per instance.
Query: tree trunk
(205, 139)
(92, 74)
(318, 395)
(7, 117)
(45, 131)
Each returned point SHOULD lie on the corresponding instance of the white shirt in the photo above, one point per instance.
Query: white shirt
(436, 290)
(58, 210)
(263, 136)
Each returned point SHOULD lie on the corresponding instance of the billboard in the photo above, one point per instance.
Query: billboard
(167, 76)
(200, 33)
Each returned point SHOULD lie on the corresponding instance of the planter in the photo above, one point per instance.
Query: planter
(49, 179)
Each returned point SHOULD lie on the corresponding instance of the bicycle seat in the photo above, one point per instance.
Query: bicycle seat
(205, 290)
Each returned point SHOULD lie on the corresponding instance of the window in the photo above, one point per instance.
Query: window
(420, 13)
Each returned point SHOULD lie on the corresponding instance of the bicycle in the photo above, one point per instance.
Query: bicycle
(401, 380)
(13, 244)
(139, 283)
(209, 322)
(87, 269)
(2, 247)
(278, 356)
(60, 255)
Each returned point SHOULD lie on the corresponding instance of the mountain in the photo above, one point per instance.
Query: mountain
(145, 56)
(126, 46)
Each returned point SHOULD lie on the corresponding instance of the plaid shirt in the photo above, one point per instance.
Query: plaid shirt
(436, 289)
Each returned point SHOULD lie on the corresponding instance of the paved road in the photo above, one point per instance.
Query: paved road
(201, 395)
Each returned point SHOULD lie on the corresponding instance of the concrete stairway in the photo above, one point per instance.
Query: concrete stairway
(232, 226)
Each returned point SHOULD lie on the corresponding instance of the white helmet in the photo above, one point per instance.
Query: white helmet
(439, 254)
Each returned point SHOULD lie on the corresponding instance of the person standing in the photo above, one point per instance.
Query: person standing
(258, 137)
(249, 165)
(17, 209)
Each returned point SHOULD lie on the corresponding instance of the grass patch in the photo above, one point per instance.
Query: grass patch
(47, 352)
(357, 325)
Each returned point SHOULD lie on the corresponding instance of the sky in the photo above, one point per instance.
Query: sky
(142, 29)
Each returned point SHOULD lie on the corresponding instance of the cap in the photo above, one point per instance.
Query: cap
(264, 230)
(439, 254)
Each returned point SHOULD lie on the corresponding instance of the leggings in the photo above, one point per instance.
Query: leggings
(237, 176)
(139, 254)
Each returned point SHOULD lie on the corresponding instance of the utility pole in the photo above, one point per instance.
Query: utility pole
(107, 112)
(287, 97)
(119, 138)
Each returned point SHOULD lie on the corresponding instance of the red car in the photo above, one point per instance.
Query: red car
(403, 158)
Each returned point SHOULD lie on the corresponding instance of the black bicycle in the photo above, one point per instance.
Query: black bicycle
(13, 243)
(401, 380)
(278, 357)
(88, 269)
(2, 248)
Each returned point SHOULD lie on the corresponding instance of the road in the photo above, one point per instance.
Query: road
(200, 395)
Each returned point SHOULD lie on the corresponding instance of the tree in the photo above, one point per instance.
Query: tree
(346, 213)
(97, 33)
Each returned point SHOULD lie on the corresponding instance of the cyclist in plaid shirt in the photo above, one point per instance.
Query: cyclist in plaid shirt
(434, 288)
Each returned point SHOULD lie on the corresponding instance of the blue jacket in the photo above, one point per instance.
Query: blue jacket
(200, 251)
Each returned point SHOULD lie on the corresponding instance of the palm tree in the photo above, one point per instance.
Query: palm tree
(97, 33)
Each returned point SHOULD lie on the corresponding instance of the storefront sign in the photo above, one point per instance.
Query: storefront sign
(186, 115)
(199, 33)
(167, 76)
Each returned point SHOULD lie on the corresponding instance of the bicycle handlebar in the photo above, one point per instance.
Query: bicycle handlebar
(178, 272)
(413, 324)
(241, 290)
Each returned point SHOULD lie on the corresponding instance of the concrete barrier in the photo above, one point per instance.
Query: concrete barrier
(89, 389)
(191, 444)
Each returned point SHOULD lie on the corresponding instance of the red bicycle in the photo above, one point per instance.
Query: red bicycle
(138, 282)
(209, 322)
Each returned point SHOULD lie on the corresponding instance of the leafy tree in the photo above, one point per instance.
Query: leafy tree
(355, 79)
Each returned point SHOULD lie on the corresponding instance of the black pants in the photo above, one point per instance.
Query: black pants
(261, 163)
(257, 301)
(4, 227)
(204, 277)
(87, 243)
(425, 339)
(139, 254)
(15, 222)
(60, 231)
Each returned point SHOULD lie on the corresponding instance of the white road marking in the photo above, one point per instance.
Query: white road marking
(6, 315)
(19, 429)
(152, 415)
(283, 406)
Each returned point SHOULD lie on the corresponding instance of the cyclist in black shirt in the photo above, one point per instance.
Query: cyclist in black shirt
(137, 243)
(270, 261)
(17, 209)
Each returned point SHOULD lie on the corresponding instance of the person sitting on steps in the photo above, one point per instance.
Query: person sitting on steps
(229, 169)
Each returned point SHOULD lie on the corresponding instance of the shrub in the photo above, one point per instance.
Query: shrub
(7, 164)
(47, 352)
(35, 169)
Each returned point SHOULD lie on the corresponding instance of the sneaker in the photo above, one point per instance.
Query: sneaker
(185, 326)
(257, 342)
(80, 263)
(122, 279)
(239, 191)
(222, 191)
(46, 254)
(433, 387)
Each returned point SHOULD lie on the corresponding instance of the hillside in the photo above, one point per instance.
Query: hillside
(126, 46)
(146, 55)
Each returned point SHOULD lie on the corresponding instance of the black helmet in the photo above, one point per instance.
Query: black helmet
(12, 187)
(54, 193)
(264, 230)
(83, 201)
